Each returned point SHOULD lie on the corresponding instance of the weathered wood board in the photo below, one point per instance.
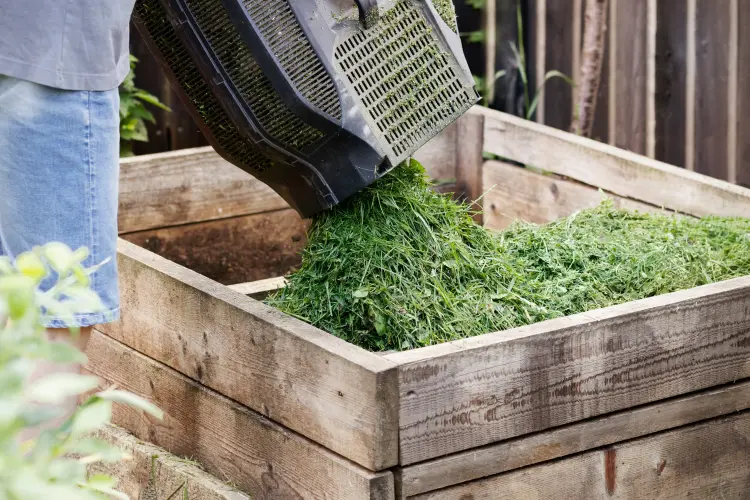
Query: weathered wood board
(707, 460)
(469, 393)
(571, 439)
(245, 448)
(307, 380)
(152, 472)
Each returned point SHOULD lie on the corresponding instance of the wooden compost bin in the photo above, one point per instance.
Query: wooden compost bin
(641, 400)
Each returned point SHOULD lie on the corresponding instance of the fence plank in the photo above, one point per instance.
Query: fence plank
(631, 80)
(671, 74)
(712, 69)
(743, 95)
(557, 93)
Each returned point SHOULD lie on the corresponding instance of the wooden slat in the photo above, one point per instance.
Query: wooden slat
(612, 70)
(567, 440)
(337, 394)
(671, 75)
(439, 155)
(516, 193)
(743, 94)
(631, 80)
(612, 169)
(707, 461)
(651, 27)
(181, 187)
(538, 37)
(690, 83)
(472, 392)
(259, 456)
(732, 86)
(470, 159)
(258, 289)
(234, 250)
(557, 94)
(600, 128)
(712, 72)
(156, 472)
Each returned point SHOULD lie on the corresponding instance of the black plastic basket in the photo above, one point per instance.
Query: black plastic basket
(316, 98)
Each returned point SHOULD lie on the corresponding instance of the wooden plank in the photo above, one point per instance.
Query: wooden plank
(557, 94)
(671, 68)
(712, 72)
(612, 73)
(470, 159)
(515, 193)
(567, 440)
(187, 186)
(438, 156)
(743, 94)
(477, 391)
(234, 250)
(332, 392)
(732, 86)
(631, 80)
(651, 23)
(707, 460)
(612, 169)
(600, 129)
(152, 472)
(690, 85)
(261, 288)
(538, 38)
(257, 455)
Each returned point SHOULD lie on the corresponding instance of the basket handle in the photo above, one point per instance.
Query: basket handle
(368, 12)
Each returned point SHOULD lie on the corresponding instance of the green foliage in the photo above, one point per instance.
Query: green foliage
(53, 466)
(133, 111)
(400, 266)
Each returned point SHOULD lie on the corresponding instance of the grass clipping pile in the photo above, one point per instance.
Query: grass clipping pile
(400, 266)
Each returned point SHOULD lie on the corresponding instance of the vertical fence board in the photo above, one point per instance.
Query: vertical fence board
(535, 20)
(671, 71)
(631, 78)
(712, 69)
(600, 128)
(743, 97)
(557, 93)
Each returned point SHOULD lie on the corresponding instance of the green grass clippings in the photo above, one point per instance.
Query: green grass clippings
(400, 266)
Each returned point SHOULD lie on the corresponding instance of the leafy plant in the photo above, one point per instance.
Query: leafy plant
(133, 111)
(52, 465)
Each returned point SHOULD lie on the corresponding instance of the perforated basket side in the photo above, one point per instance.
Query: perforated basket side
(151, 15)
(283, 34)
(247, 76)
(408, 86)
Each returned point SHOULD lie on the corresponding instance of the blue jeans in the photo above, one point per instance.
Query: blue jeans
(59, 172)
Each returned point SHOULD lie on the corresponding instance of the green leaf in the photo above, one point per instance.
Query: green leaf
(60, 256)
(130, 399)
(31, 265)
(56, 388)
(360, 294)
(99, 481)
(91, 416)
(19, 293)
(151, 99)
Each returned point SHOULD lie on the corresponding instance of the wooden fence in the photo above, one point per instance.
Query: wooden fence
(673, 85)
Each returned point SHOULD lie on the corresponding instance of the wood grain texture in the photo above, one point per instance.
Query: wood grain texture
(337, 394)
(261, 288)
(154, 471)
(470, 159)
(712, 71)
(743, 96)
(234, 250)
(612, 169)
(600, 130)
(707, 461)
(259, 456)
(477, 391)
(438, 156)
(671, 81)
(181, 187)
(570, 439)
(557, 94)
(631, 80)
(515, 193)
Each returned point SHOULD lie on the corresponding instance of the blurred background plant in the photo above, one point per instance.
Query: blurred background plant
(52, 465)
(133, 111)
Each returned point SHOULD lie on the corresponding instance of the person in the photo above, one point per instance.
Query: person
(61, 63)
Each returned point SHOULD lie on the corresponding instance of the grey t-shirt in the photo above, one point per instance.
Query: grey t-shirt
(67, 44)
